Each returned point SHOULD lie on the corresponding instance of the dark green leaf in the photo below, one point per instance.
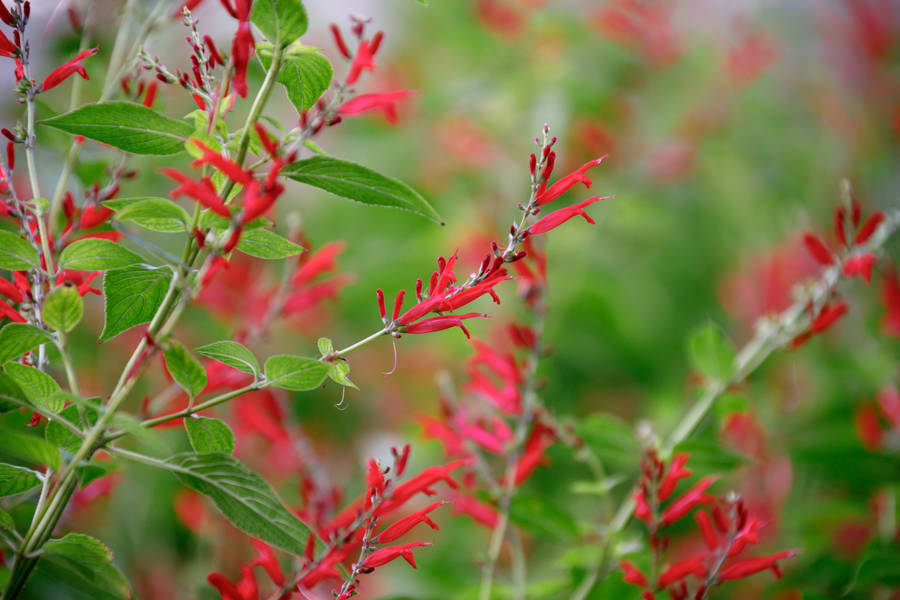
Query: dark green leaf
(28, 448)
(244, 497)
(96, 254)
(209, 435)
(156, 214)
(18, 338)
(306, 75)
(16, 254)
(132, 296)
(15, 480)
(281, 21)
(86, 564)
(64, 438)
(263, 243)
(296, 373)
(130, 127)
(63, 308)
(232, 354)
(358, 183)
(184, 368)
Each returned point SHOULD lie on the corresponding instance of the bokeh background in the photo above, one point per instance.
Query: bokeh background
(729, 128)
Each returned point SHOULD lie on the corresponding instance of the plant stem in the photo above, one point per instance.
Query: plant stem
(361, 342)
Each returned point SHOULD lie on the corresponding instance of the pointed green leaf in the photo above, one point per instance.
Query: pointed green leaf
(338, 372)
(711, 353)
(305, 75)
(263, 243)
(15, 480)
(244, 497)
(18, 338)
(63, 308)
(130, 127)
(96, 254)
(209, 435)
(232, 354)
(37, 386)
(281, 21)
(358, 183)
(28, 448)
(132, 296)
(64, 438)
(156, 214)
(296, 373)
(84, 563)
(184, 368)
(325, 346)
(16, 254)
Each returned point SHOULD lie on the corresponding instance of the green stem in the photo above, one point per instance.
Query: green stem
(361, 342)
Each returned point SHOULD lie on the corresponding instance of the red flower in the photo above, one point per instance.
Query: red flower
(266, 559)
(230, 168)
(889, 403)
(751, 566)
(440, 323)
(868, 427)
(694, 565)
(202, 191)
(7, 48)
(675, 473)
(706, 529)
(94, 215)
(688, 501)
(480, 512)
(365, 53)
(8, 311)
(541, 438)
(384, 102)
(386, 555)
(400, 527)
(828, 316)
(869, 227)
(6, 16)
(632, 574)
(566, 183)
(817, 249)
(63, 72)
(861, 265)
(891, 296)
(558, 217)
(242, 47)
(641, 507)
(245, 589)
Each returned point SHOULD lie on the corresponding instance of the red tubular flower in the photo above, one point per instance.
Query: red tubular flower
(566, 183)
(63, 72)
(242, 48)
(268, 143)
(889, 403)
(362, 61)
(339, 41)
(869, 227)
(265, 558)
(558, 217)
(386, 103)
(422, 483)
(386, 555)
(9, 290)
(688, 501)
(828, 316)
(540, 438)
(751, 566)
(861, 265)
(7, 48)
(891, 297)
(403, 525)
(642, 509)
(150, 97)
(675, 473)
(840, 214)
(321, 261)
(231, 169)
(8, 311)
(747, 536)
(6, 16)
(467, 295)
(480, 512)
(246, 588)
(706, 529)
(440, 323)
(202, 191)
(817, 249)
(375, 477)
(868, 427)
(632, 574)
(94, 215)
(256, 204)
(694, 565)
(382, 311)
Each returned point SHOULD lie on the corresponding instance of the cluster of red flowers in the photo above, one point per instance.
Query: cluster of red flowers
(727, 531)
(853, 259)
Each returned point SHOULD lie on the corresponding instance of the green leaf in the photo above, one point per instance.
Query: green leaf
(263, 243)
(325, 346)
(209, 435)
(86, 564)
(232, 354)
(15, 480)
(16, 254)
(281, 21)
(305, 75)
(156, 214)
(338, 372)
(132, 296)
(244, 497)
(611, 440)
(96, 254)
(296, 373)
(711, 353)
(537, 514)
(28, 448)
(360, 184)
(708, 458)
(37, 386)
(64, 438)
(63, 308)
(130, 127)
(184, 368)
(18, 338)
